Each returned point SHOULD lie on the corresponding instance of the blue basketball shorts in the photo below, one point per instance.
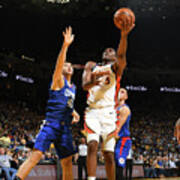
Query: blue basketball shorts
(122, 148)
(62, 140)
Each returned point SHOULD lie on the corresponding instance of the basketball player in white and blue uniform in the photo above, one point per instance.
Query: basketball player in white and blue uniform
(60, 114)
(102, 81)
(124, 143)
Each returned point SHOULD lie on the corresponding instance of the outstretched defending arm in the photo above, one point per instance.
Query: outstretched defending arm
(58, 81)
(122, 48)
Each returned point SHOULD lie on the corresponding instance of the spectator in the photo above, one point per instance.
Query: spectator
(5, 140)
(82, 154)
(129, 165)
(5, 164)
(172, 166)
(159, 167)
(149, 169)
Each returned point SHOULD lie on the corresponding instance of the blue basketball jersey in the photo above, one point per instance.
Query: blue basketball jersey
(57, 125)
(124, 132)
(60, 106)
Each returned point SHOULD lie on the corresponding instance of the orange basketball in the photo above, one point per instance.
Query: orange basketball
(122, 15)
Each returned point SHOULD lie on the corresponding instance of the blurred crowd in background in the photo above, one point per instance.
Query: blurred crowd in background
(153, 143)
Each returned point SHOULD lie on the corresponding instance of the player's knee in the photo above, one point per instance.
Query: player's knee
(109, 157)
(35, 156)
(92, 147)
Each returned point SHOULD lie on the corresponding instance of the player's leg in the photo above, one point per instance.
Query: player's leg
(65, 149)
(127, 169)
(108, 125)
(93, 128)
(66, 164)
(119, 173)
(108, 152)
(122, 148)
(92, 159)
(119, 162)
(26, 167)
(42, 143)
(109, 164)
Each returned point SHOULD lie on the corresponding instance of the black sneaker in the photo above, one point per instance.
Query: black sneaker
(17, 178)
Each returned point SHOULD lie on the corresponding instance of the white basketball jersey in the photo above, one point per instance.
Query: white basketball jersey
(103, 95)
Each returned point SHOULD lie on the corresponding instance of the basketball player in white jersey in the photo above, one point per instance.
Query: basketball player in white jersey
(101, 82)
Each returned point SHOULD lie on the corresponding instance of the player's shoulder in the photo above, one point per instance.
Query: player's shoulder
(90, 65)
(125, 108)
(126, 105)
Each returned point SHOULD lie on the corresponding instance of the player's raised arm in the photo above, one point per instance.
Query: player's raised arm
(122, 48)
(58, 81)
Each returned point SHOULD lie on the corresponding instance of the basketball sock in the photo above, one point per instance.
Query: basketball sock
(91, 178)
(17, 178)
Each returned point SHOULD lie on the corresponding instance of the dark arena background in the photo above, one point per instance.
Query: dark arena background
(30, 40)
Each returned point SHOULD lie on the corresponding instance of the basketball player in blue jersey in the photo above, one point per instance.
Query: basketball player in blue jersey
(124, 143)
(102, 81)
(59, 115)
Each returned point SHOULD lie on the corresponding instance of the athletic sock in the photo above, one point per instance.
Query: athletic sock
(91, 178)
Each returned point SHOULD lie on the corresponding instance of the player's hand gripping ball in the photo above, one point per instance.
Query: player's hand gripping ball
(122, 16)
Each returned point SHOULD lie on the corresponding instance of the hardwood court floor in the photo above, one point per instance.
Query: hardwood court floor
(170, 178)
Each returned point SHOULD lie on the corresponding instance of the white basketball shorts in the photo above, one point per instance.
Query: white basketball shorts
(101, 122)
